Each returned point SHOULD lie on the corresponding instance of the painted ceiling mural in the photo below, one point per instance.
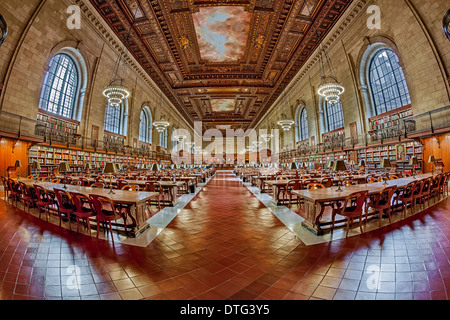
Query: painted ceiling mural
(222, 33)
(222, 62)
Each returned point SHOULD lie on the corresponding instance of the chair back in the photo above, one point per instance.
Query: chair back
(315, 186)
(355, 202)
(132, 187)
(408, 192)
(295, 184)
(386, 195)
(327, 182)
(121, 183)
(80, 200)
(348, 183)
(100, 185)
(372, 180)
(41, 193)
(104, 207)
(63, 199)
(150, 186)
(427, 183)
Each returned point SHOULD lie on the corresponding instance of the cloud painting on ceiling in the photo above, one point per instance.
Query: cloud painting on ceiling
(222, 105)
(222, 32)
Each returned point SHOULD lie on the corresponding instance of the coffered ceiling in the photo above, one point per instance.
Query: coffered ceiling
(222, 62)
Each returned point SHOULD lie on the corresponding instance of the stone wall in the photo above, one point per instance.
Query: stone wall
(37, 31)
(413, 28)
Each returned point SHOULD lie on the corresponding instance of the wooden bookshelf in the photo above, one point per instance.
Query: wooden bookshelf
(389, 125)
(50, 158)
(56, 128)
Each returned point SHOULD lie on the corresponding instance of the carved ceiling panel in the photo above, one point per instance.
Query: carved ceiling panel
(223, 62)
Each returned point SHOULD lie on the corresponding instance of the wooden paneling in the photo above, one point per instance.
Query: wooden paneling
(439, 147)
(10, 151)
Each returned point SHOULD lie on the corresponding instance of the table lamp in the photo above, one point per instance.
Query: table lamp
(432, 160)
(155, 167)
(110, 168)
(386, 163)
(339, 166)
(36, 166)
(18, 164)
(64, 167)
(293, 166)
(87, 167)
(413, 162)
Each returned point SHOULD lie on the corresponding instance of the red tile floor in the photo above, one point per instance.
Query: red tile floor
(226, 245)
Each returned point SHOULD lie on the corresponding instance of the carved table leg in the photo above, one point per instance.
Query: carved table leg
(314, 213)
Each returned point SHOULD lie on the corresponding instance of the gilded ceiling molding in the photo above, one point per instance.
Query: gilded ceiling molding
(90, 13)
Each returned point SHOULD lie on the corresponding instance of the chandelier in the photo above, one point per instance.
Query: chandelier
(286, 124)
(161, 125)
(330, 88)
(116, 91)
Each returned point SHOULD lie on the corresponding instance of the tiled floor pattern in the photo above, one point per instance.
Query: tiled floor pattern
(293, 215)
(225, 244)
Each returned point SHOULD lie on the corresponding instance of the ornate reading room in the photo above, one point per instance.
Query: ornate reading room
(226, 150)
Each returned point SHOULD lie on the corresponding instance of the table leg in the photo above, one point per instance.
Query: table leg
(139, 216)
(314, 213)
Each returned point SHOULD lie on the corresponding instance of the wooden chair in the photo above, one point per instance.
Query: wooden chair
(75, 183)
(425, 194)
(353, 207)
(84, 182)
(65, 205)
(106, 212)
(55, 181)
(292, 185)
(417, 194)
(132, 187)
(150, 186)
(383, 201)
(372, 180)
(307, 182)
(26, 197)
(43, 200)
(14, 191)
(348, 183)
(438, 183)
(6, 188)
(121, 183)
(315, 186)
(445, 184)
(100, 185)
(407, 197)
(83, 209)
(327, 182)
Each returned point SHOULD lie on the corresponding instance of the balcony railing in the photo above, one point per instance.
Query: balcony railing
(22, 127)
(425, 124)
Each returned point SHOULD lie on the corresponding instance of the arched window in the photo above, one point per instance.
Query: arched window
(334, 116)
(163, 139)
(116, 117)
(146, 126)
(303, 130)
(387, 82)
(60, 91)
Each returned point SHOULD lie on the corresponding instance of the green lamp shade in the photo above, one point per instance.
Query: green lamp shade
(431, 159)
(18, 164)
(64, 167)
(413, 161)
(294, 166)
(87, 165)
(339, 166)
(386, 163)
(110, 167)
(155, 167)
(362, 163)
(36, 165)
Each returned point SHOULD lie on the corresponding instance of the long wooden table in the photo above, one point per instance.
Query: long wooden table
(315, 200)
(137, 199)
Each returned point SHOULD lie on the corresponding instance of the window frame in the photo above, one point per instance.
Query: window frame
(61, 82)
(381, 103)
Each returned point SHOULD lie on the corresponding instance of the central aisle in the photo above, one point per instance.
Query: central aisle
(232, 238)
